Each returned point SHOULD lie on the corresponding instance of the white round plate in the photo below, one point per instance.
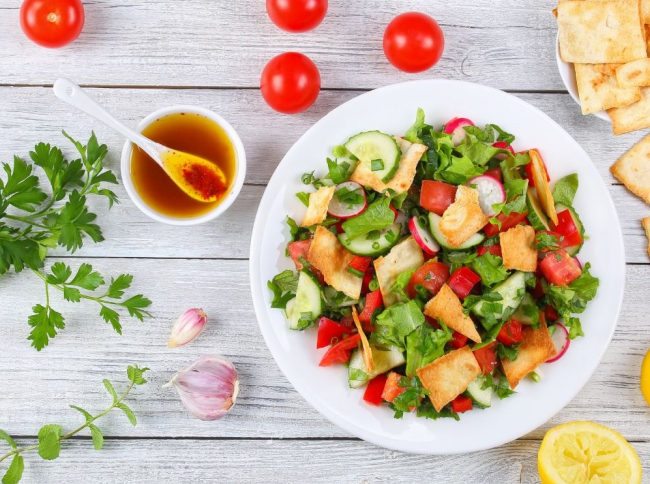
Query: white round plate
(392, 110)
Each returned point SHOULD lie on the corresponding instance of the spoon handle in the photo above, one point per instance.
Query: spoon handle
(72, 94)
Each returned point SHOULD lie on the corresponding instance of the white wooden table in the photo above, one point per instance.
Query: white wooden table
(140, 55)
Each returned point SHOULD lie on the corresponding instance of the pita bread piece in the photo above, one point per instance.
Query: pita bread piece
(405, 256)
(600, 32)
(318, 203)
(542, 188)
(634, 74)
(599, 91)
(328, 256)
(633, 169)
(463, 218)
(448, 376)
(607, 69)
(447, 307)
(536, 347)
(517, 248)
(646, 225)
(403, 179)
(633, 117)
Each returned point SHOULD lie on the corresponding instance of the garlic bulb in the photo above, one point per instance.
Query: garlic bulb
(187, 327)
(208, 388)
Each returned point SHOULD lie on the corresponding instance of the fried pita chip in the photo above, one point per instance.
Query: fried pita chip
(536, 347)
(328, 256)
(633, 117)
(634, 74)
(599, 91)
(541, 185)
(517, 248)
(607, 69)
(449, 376)
(600, 32)
(645, 8)
(403, 179)
(447, 307)
(647, 37)
(405, 256)
(318, 203)
(366, 351)
(463, 218)
(633, 169)
(646, 225)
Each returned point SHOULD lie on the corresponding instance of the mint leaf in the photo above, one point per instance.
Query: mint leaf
(98, 438)
(565, 190)
(86, 415)
(49, 444)
(7, 438)
(45, 322)
(15, 472)
(109, 387)
(128, 412)
(86, 278)
(135, 374)
(377, 216)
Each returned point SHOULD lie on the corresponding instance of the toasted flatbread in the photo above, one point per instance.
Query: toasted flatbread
(645, 8)
(517, 248)
(536, 347)
(646, 225)
(328, 256)
(405, 256)
(633, 169)
(463, 218)
(318, 203)
(447, 307)
(607, 69)
(600, 32)
(634, 74)
(448, 376)
(599, 91)
(633, 117)
(403, 179)
(541, 185)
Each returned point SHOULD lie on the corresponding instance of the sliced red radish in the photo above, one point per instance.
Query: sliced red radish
(423, 237)
(502, 145)
(456, 127)
(402, 219)
(561, 341)
(490, 191)
(343, 208)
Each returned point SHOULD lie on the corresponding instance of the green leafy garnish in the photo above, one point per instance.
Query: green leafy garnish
(490, 268)
(304, 198)
(565, 190)
(424, 345)
(396, 323)
(377, 216)
(283, 287)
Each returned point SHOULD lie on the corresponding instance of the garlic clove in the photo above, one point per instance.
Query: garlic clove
(187, 327)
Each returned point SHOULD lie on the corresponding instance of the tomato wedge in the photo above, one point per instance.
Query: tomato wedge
(487, 357)
(330, 332)
(359, 265)
(457, 340)
(375, 389)
(340, 352)
(507, 222)
(567, 228)
(461, 404)
(463, 280)
(299, 249)
(559, 268)
(436, 196)
(510, 333)
(432, 275)
(392, 389)
(373, 302)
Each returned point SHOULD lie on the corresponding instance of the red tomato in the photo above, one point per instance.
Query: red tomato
(458, 340)
(538, 292)
(367, 279)
(461, 404)
(502, 145)
(340, 352)
(566, 227)
(507, 222)
(493, 249)
(432, 275)
(375, 389)
(392, 389)
(510, 333)
(296, 15)
(330, 332)
(528, 172)
(373, 301)
(298, 249)
(560, 268)
(413, 42)
(290, 82)
(487, 357)
(436, 196)
(463, 280)
(394, 210)
(495, 172)
(360, 264)
(52, 23)
(550, 313)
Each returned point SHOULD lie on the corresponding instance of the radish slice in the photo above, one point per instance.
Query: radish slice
(456, 127)
(346, 209)
(561, 341)
(402, 219)
(423, 237)
(502, 145)
(490, 191)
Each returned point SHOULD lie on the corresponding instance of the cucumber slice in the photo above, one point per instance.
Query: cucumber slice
(481, 398)
(527, 311)
(574, 249)
(512, 291)
(308, 304)
(372, 244)
(385, 358)
(536, 215)
(434, 225)
(375, 145)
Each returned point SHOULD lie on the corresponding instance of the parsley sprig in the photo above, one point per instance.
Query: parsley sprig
(50, 436)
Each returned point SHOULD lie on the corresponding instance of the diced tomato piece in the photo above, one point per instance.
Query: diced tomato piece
(492, 249)
(360, 263)
(373, 302)
(340, 352)
(330, 332)
(367, 279)
(436, 196)
(495, 172)
(487, 357)
(463, 280)
(550, 313)
(461, 404)
(528, 171)
(433, 322)
(298, 249)
(392, 389)
(432, 275)
(458, 340)
(566, 227)
(560, 268)
(507, 222)
(375, 389)
(348, 322)
(510, 333)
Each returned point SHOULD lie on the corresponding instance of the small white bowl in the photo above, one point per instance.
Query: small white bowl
(235, 188)
(568, 75)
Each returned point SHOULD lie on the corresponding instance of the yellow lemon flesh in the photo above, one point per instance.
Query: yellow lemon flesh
(645, 377)
(587, 453)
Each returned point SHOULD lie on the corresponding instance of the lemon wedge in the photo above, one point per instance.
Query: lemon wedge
(587, 453)
(645, 377)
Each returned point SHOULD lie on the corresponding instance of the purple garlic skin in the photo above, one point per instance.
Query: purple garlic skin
(187, 327)
(208, 388)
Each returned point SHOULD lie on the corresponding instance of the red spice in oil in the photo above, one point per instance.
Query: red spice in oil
(204, 181)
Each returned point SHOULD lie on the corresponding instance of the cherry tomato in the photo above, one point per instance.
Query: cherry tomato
(413, 42)
(52, 23)
(290, 82)
(296, 15)
(432, 275)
